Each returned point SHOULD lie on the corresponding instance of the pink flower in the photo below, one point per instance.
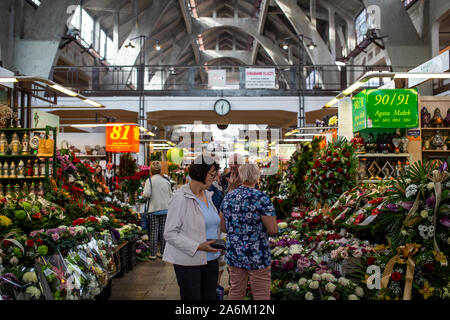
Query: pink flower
(72, 231)
(138, 251)
(357, 253)
(344, 254)
(55, 236)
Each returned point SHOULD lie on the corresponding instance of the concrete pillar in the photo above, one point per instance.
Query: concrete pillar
(312, 13)
(236, 16)
(96, 37)
(214, 13)
(332, 32)
(42, 34)
(116, 31)
(351, 41)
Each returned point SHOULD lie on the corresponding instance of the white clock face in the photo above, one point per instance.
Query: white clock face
(222, 107)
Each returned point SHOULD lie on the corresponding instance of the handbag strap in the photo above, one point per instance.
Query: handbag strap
(147, 203)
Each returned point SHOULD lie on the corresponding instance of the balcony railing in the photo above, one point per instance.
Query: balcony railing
(193, 80)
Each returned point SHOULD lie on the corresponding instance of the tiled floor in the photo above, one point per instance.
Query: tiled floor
(150, 280)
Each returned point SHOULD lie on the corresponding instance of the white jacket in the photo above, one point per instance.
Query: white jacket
(185, 229)
(160, 192)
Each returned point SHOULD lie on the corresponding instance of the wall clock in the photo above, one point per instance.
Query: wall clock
(222, 107)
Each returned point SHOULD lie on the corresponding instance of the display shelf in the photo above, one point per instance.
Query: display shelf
(90, 156)
(370, 181)
(434, 129)
(23, 156)
(23, 129)
(383, 155)
(442, 151)
(25, 178)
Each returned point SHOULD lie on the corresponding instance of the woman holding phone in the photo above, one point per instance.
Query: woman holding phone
(192, 219)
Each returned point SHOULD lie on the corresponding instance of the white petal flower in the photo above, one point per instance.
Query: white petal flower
(324, 276)
(331, 298)
(316, 277)
(309, 296)
(330, 287)
(353, 297)
(302, 281)
(33, 292)
(29, 277)
(359, 292)
(424, 214)
(343, 281)
(295, 287)
(314, 285)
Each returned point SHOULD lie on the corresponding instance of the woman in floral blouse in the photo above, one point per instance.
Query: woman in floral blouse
(248, 217)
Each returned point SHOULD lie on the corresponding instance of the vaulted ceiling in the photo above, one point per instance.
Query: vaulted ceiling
(177, 22)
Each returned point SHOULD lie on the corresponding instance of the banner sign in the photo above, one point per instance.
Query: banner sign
(385, 108)
(261, 78)
(122, 138)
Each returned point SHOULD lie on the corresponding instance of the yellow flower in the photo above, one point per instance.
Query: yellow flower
(5, 221)
(380, 247)
(439, 256)
(389, 298)
(427, 291)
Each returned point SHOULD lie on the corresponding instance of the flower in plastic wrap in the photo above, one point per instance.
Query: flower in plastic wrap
(309, 296)
(330, 287)
(343, 281)
(359, 291)
(282, 225)
(314, 285)
(29, 277)
(80, 230)
(14, 260)
(33, 292)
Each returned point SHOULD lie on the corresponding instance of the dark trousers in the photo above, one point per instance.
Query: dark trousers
(198, 282)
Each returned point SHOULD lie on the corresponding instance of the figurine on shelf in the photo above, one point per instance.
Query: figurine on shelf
(29, 169)
(15, 145)
(371, 145)
(32, 188)
(358, 142)
(1, 192)
(438, 141)
(396, 141)
(25, 188)
(4, 147)
(5, 170)
(36, 168)
(8, 192)
(391, 147)
(40, 190)
(447, 119)
(425, 118)
(21, 170)
(12, 170)
(437, 120)
(426, 143)
(16, 191)
(405, 142)
(42, 169)
(25, 144)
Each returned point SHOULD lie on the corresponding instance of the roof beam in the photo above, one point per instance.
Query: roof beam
(264, 6)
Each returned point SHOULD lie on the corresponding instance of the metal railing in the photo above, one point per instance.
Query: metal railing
(193, 80)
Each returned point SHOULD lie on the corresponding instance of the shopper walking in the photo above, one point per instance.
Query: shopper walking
(158, 191)
(248, 219)
(191, 220)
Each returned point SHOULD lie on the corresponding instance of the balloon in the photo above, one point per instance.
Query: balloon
(175, 155)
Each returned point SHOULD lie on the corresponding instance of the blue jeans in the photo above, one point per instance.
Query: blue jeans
(145, 223)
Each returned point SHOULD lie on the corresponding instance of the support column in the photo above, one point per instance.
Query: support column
(312, 13)
(116, 17)
(332, 32)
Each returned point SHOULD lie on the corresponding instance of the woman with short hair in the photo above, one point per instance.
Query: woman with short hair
(192, 219)
(248, 217)
(158, 190)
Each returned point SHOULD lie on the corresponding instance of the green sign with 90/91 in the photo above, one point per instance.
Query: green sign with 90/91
(385, 108)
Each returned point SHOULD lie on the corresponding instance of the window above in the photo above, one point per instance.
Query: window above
(361, 26)
(408, 3)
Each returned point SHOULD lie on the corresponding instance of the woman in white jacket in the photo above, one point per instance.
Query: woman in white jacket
(159, 191)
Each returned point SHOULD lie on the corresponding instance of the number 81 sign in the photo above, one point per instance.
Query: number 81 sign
(122, 138)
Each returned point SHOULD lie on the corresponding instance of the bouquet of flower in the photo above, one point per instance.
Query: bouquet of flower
(332, 174)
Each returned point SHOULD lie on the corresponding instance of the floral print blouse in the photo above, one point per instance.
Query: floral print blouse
(247, 239)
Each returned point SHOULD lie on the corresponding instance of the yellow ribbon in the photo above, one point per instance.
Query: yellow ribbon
(437, 178)
(404, 255)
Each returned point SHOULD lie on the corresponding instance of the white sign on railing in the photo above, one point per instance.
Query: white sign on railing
(261, 78)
